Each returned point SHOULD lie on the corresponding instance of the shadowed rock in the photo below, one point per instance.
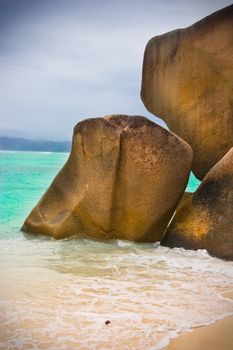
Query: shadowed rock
(184, 198)
(205, 220)
(123, 180)
(187, 81)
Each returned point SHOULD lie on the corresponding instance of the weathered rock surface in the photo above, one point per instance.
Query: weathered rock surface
(205, 220)
(187, 81)
(123, 180)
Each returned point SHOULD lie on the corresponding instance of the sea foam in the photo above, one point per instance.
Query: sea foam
(58, 295)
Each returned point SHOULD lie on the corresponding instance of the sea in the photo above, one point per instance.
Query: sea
(86, 295)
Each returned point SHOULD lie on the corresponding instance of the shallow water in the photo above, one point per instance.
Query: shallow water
(58, 294)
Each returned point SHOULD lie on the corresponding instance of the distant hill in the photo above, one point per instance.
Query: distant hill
(21, 144)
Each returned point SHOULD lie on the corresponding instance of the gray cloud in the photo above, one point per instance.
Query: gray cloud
(65, 60)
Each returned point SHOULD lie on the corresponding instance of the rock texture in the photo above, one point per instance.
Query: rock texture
(123, 180)
(205, 221)
(187, 81)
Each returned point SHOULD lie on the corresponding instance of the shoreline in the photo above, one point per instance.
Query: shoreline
(215, 336)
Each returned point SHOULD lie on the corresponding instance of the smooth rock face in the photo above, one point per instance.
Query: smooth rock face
(123, 180)
(187, 81)
(205, 221)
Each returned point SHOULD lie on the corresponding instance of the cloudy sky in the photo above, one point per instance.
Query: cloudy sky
(65, 60)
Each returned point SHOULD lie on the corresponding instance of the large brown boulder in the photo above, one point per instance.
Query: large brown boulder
(187, 81)
(205, 221)
(123, 180)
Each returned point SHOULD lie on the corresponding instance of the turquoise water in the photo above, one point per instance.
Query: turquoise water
(57, 295)
(24, 177)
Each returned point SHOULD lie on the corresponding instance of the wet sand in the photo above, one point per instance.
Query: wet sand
(58, 295)
(218, 336)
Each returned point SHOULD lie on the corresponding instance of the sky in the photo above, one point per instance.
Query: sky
(62, 61)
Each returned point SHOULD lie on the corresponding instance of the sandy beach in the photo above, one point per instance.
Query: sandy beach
(218, 336)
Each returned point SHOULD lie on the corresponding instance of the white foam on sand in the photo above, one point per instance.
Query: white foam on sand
(58, 295)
